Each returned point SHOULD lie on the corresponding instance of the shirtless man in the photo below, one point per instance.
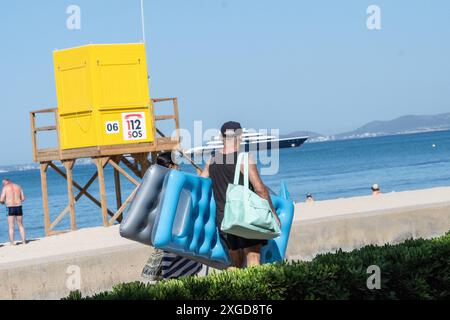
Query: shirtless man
(13, 197)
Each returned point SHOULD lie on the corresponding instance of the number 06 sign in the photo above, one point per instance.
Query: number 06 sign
(134, 126)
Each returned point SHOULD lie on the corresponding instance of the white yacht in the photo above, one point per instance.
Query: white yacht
(252, 141)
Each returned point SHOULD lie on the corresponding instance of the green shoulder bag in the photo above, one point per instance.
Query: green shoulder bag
(246, 214)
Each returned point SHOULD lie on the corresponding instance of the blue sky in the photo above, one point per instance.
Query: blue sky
(292, 65)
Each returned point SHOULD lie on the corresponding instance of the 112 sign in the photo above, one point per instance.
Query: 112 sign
(134, 126)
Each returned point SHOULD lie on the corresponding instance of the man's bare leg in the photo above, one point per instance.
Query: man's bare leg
(21, 229)
(253, 255)
(236, 258)
(11, 229)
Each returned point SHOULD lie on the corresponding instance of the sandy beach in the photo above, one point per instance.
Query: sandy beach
(366, 205)
(39, 269)
(351, 223)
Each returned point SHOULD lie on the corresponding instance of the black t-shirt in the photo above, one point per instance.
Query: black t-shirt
(221, 171)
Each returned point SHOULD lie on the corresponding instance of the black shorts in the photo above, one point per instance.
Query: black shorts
(235, 243)
(15, 211)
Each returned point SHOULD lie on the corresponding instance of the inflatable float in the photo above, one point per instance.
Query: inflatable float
(175, 211)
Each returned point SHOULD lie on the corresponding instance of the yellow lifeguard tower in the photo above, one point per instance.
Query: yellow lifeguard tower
(104, 113)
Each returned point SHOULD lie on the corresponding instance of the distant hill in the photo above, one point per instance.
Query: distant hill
(405, 124)
(401, 125)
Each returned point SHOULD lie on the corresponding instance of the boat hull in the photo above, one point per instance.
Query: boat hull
(257, 145)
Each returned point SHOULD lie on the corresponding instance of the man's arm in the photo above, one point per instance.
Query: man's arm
(259, 186)
(22, 195)
(205, 173)
(3, 196)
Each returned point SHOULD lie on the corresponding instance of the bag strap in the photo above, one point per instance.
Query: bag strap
(242, 157)
(237, 170)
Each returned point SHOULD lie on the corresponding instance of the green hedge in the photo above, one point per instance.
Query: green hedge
(415, 269)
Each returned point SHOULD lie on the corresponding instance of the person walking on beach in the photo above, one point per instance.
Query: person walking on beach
(221, 168)
(12, 195)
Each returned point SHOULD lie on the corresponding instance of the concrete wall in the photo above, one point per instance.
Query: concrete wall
(310, 237)
(48, 278)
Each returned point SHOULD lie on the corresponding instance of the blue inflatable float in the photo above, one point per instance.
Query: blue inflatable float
(176, 212)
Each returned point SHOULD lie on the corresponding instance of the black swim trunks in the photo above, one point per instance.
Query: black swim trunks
(15, 211)
(235, 242)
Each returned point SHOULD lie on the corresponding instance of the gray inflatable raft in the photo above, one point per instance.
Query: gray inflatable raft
(143, 213)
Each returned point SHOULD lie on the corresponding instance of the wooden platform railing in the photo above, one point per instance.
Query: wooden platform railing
(157, 132)
(35, 130)
(175, 116)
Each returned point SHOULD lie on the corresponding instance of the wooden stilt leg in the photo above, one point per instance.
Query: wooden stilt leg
(138, 164)
(154, 157)
(118, 188)
(101, 182)
(68, 165)
(44, 167)
(144, 163)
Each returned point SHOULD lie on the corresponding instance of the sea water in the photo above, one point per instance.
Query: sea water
(327, 170)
